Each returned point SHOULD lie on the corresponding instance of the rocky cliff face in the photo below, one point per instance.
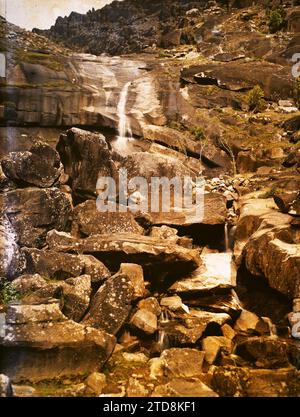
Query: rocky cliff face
(132, 26)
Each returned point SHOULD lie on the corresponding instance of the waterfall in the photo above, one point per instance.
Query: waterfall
(226, 238)
(124, 124)
(163, 339)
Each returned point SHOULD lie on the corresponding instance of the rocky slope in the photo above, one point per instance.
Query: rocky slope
(151, 304)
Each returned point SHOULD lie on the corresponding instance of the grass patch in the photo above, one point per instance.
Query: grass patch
(38, 58)
(8, 294)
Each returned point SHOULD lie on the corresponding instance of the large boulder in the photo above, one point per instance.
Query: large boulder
(274, 254)
(57, 265)
(182, 363)
(40, 166)
(41, 344)
(145, 321)
(184, 387)
(76, 294)
(34, 211)
(211, 210)
(115, 249)
(216, 271)
(187, 328)
(232, 381)
(111, 304)
(85, 156)
(265, 352)
(87, 220)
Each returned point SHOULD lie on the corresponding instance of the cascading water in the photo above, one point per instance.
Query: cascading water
(163, 339)
(124, 129)
(226, 238)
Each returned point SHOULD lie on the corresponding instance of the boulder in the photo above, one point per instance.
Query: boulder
(76, 294)
(187, 328)
(34, 313)
(95, 383)
(151, 304)
(144, 320)
(85, 156)
(115, 249)
(265, 352)
(217, 271)
(35, 349)
(111, 304)
(255, 212)
(212, 346)
(135, 274)
(232, 381)
(28, 283)
(212, 211)
(250, 323)
(182, 363)
(218, 302)
(275, 254)
(56, 265)
(87, 220)
(183, 388)
(174, 303)
(34, 211)
(40, 166)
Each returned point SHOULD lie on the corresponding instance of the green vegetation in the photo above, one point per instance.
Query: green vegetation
(177, 126)
(276, 19)
(8, 293)
(198, 133)
(297, 92)
(38, 58)
(255, 99)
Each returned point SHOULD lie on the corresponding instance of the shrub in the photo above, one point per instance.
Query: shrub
(297, 92)
(255, 99)
(8, 293)
(276, 20)
(198, 133)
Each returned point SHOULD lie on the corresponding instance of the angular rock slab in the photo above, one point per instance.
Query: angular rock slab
(34, 211)
(217, 271)
(275, 254)
(186, 329)
(231, 381)
(40, 350)
(212, 211)
(87, 220)
(111, 304)
(183, 388)
(57, 265)
(183, 362)
(40, 166)
(123, 248)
